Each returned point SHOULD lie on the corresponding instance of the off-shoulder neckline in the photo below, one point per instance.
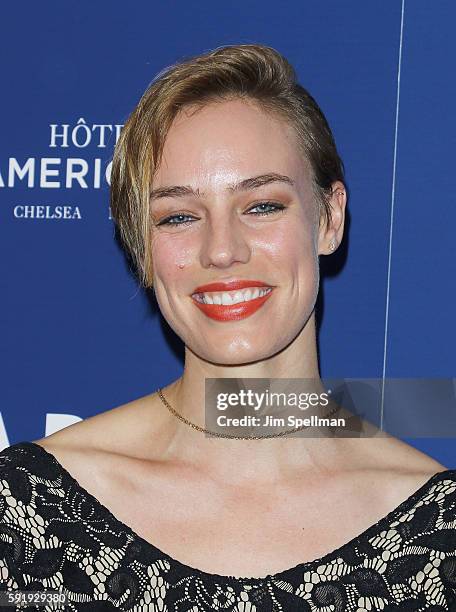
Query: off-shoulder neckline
(408, 503)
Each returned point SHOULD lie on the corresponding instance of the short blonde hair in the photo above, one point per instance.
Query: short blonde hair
(255, 72)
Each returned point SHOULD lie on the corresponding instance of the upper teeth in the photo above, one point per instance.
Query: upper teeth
(234, 297)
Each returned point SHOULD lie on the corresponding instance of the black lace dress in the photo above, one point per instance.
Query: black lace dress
(54, 535)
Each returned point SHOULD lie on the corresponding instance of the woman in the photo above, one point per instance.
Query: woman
(226, 172)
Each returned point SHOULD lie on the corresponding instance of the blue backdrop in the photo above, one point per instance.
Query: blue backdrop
(78, 336)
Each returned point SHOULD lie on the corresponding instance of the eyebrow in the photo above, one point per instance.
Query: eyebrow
(178, 191)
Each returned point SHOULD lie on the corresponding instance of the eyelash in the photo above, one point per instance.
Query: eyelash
(277, 208)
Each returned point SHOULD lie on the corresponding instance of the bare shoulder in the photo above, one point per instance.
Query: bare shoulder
(395, 470)
(122, 447)
(405, 457)
(92, 449)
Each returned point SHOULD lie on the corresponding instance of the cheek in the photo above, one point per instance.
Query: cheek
(170, 256)
(291, 245)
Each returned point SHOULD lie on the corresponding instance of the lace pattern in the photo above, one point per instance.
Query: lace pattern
(54, 535)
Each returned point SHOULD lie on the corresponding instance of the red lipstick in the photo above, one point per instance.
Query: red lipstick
(231, 312)
(229, 286)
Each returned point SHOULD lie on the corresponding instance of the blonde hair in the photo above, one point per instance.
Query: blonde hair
(256, 72)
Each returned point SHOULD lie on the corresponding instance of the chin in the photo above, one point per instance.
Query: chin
(235, 355)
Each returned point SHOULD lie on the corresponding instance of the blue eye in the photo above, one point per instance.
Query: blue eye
(178, 219)
(275, 208)
(170, 220)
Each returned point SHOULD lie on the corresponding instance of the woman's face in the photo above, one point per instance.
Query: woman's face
(222, 167)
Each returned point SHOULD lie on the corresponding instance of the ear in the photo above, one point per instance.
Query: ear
(334, 232)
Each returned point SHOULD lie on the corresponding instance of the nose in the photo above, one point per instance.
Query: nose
(224, 244)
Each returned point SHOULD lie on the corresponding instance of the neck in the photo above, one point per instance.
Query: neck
(240, 461)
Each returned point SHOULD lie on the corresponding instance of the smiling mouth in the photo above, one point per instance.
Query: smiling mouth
(228, 298)
(231, 305)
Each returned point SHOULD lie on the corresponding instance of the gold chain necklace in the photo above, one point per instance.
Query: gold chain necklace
(224, 435)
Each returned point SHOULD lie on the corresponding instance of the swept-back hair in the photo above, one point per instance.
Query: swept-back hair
(255, 72)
